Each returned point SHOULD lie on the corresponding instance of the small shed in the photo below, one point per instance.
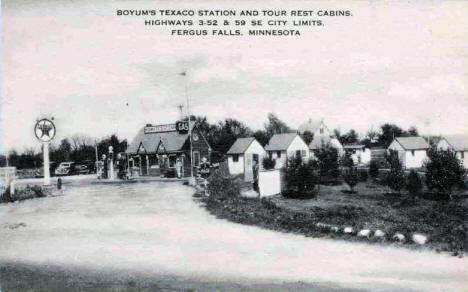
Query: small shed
(243, 154)
(282, 146)
(411, 150)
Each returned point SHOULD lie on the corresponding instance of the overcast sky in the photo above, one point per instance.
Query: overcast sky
(99, 74)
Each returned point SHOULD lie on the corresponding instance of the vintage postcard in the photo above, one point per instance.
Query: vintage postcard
(233, 145)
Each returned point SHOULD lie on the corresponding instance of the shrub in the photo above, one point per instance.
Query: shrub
(327, 161)
(395, 179)
(300, 179)
(347, 160)
(414, 185)
(444, 170)
(374, 169)
(268, 163)
(363, 175)
(351, 178)
(221, 186)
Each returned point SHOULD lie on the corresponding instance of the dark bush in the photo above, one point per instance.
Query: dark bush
(347, 160)
(221, 186)
(444, 170)
(327, 162)
(414, 185)
(395, 179)
(374, 170)
(351, 178)
(300, 179)
(268, 163)
(363, 175)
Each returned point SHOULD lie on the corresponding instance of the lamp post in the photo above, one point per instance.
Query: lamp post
(111, 163)
(192, 180)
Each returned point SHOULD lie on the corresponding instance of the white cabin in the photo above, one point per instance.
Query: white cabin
(412, 151)
(242, 155)
(322, 136)
(286, 145)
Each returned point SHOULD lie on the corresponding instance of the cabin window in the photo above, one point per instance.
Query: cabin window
(196, 158)
(278, 154)
(412, 152)
(303, 153)
(298, 153)
(462, 154)
(235, 157)
(270, 155)
(321, 130)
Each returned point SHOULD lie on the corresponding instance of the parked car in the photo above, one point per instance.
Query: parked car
(65, 168)
(82, 169)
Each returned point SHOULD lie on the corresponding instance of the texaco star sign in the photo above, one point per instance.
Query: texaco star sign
(44, 130)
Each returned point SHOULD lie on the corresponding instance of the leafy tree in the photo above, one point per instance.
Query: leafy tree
(300, 178)
(275, 126)
(347, 160)
(268, 163)
(388, 133)
(373, 169)
(226, 133)
(444, 170)
(396, 179)
(307, 136)
(327, 161)
(414, 185)
(412, 131)
(351, 137)
(351, 178)
(261, 136)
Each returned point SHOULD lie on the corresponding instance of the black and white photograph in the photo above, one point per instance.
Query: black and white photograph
(233, 146)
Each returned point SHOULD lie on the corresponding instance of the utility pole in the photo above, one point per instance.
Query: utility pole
(189, 122)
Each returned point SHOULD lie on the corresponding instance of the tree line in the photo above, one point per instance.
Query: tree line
(220, 135)
(78, 148)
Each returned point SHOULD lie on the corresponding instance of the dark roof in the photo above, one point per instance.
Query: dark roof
(241, 145)
(280, 141)
(172, 141)
(412, 143)
(458, 142)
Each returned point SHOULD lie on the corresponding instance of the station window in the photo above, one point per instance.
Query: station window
(172, 160)
(235, 157)
(462, 154)
(278, 154)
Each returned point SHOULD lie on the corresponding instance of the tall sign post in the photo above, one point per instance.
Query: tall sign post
(111, 163)
(45, 132)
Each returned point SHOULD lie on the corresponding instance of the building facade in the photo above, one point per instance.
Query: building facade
(360, 154)
(159, 150)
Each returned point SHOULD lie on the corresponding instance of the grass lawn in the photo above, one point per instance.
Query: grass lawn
(371, 207)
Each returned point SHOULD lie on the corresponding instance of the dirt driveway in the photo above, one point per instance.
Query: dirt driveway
(157, 231)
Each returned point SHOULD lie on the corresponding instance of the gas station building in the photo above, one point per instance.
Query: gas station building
(157, 150)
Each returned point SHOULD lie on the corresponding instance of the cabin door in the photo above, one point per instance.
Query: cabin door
(248, 173)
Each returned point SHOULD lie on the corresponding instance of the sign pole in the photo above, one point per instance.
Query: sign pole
(45, 150)
(45, 132)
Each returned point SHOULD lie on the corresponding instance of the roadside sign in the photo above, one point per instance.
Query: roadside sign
(44, 130)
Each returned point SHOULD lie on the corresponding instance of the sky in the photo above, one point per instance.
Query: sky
(99, 74)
